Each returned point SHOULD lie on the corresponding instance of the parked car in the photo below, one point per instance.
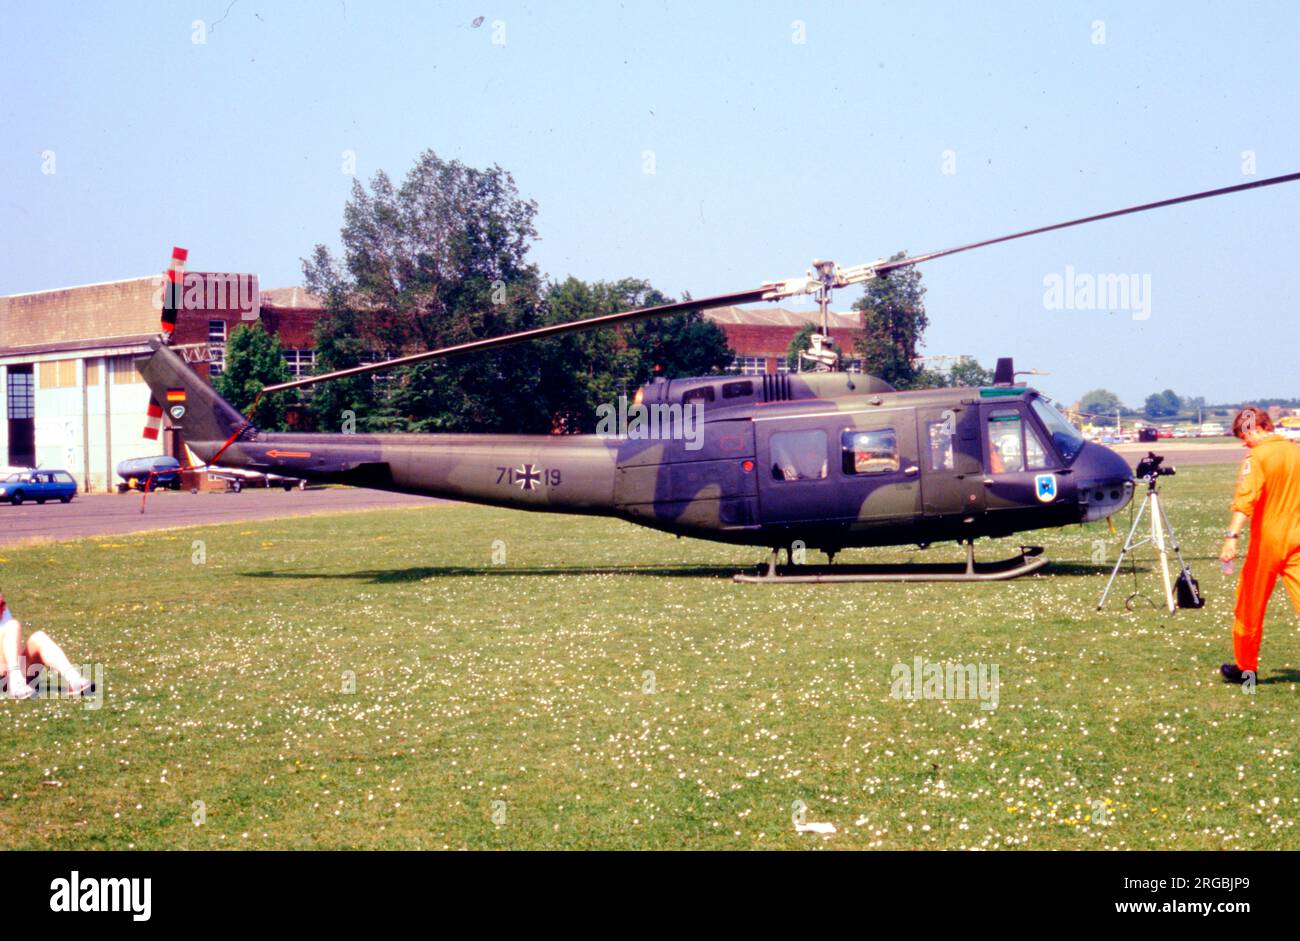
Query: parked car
(38, 485)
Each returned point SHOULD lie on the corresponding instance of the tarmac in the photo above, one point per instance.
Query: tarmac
(1180, 451)
(105, 514)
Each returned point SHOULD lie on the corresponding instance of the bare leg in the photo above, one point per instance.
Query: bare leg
(41, 649)
(10, 640)
(15, 667)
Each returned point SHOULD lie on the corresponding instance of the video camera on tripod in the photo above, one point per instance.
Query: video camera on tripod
(1150, 467)
(1183, 592)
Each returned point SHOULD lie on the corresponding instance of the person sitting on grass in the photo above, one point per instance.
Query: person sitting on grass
(15, 656)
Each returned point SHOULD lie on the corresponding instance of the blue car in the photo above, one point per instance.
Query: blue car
(38, 485)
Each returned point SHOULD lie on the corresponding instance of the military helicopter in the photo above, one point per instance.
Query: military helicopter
(820, 460)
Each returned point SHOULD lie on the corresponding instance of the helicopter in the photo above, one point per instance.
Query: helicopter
(821, 459)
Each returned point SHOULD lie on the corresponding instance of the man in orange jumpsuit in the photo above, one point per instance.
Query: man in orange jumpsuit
(1268, 496)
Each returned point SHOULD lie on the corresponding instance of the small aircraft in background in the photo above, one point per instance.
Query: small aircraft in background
(164, 472)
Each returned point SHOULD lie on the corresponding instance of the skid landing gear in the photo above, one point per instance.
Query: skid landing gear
(1031, 559)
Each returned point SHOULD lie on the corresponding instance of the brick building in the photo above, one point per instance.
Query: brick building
(69, 390)
(761, 335)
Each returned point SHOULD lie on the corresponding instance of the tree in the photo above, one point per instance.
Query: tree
(680, 345)
(964, 372)
(893, 323)
(440, 260)
(254, 359)
(1162, 404)
(800, 342)
(583, 370)
(339, 344)
(1100, 402)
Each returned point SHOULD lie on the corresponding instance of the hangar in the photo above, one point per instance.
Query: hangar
(69, 390)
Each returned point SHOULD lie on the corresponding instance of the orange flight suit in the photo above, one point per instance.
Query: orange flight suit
(1268, 491)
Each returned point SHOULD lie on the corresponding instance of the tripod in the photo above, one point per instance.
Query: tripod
(1160, 528)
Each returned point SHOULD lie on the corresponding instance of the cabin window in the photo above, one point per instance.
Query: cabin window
(798, 455)
(939, 436)
(735, 390)
(702, 394)
(870, 452)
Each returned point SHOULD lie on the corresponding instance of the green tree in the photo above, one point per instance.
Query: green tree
(798, 343)
(254, 359)
(1164, 404)
(964, 372)
(893, 323)
(968, 372)
(440, 260)
(1099, 403)
(680, 345)
(339, 343)
(582, 370)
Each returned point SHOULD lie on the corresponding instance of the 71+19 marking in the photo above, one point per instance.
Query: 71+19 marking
(528, 476)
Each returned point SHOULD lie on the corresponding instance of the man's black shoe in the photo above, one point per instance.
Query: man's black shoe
(1231, 674)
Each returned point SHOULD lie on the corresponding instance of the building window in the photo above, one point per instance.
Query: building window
(853, 365)
(21, 403)
(750, 365)
(301, 363)
(216, 347)
(92, 372)
(380, 356)
(124, 371)
(58, 374)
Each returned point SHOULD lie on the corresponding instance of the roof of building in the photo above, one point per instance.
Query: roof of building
(301, 299)
(782, 317)
(296, 298)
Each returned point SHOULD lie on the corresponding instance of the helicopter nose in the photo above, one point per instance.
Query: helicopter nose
(1104, 482)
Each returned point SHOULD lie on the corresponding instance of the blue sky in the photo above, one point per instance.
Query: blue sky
(767, 152)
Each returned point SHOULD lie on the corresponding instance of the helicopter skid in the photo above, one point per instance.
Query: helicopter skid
(1031, 559)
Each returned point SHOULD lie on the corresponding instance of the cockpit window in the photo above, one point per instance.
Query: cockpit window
(1065, 436)
(1006, 452)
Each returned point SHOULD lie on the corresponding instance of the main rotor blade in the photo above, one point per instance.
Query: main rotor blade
(745, 297)
(536, 333)
(1223, 191)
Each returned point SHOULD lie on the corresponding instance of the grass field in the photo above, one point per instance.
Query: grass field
(610, 687)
